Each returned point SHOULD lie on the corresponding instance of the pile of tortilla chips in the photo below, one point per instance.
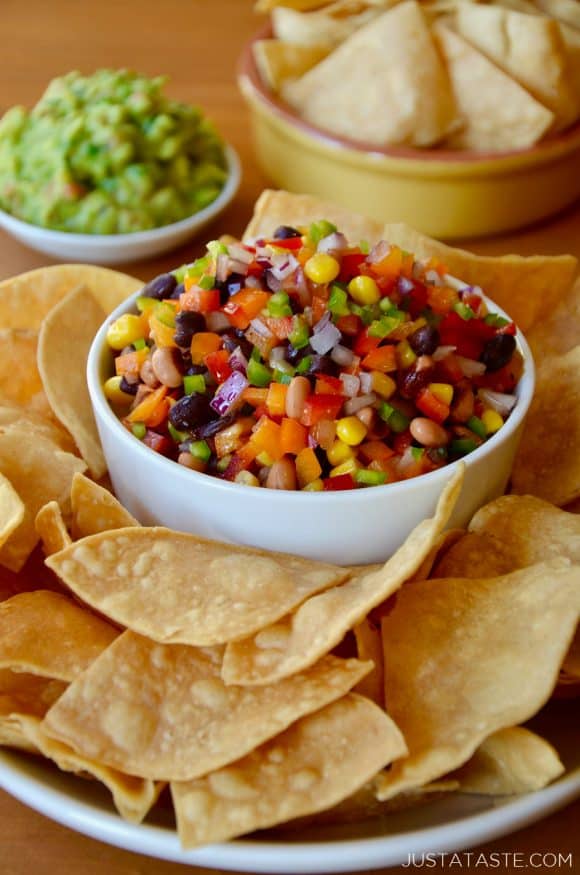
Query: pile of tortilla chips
(266, 689)
(461, 74)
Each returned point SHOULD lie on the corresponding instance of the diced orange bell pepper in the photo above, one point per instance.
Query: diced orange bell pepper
(146, 409)
(200, 300)
(441, 298)
(308, 467)
(161, 333)
(364, 342)
(129, 365)
(276, 399)
(383, 359)
(390, 265)
(293, 436)
(280, 327)
(327, 385)
(255, 396)
(432, 406)
(375, 451)
(244, 306)
(267, 438)
(349, 324)
(203, 343)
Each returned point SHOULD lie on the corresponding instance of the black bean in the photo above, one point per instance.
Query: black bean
(284, 232)
(411, 382)
(193, 370)
(294, 355)
(187, 323)
(191, 411)
(498, 351)
(322, 364)
(129, 388)
(425, 340)
(210, 428)
(178, 291)
(160, 288)
(323, 461)
(230, 286)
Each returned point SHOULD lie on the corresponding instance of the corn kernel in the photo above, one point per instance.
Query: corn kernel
(321, 268)
(124, 330)
(442, 391)
(114, 393)
(315, 486)
(405, 355)
(364, 290)
(246, 478)
(382, 384)
(351, 430)
(339, 452)
(264, 459)
(348, 467)
(492, 420)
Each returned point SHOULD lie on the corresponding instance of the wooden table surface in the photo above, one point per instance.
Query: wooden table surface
(195, 42)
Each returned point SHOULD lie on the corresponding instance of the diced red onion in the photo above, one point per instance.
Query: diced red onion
(366, 381)
(405, 285)
(308, 315)
(238, 361)
(282, 265)
(355, 404)
(379, 251)
(326, 335)
(229, 394)
(311, 442)
(260, 328)
(253, 282)
(301, 288)
(351, 384)
(238, 252)
(476, 290)
(499, 401)
(442, 352)
(278, 354)
(235, 266)
(334, 244)
(434, 278)
(470, 367)
(273, 283)
(217, 321)
(342, 355)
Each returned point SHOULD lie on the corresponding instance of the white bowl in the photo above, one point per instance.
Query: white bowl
(122, 248)
(352, 527)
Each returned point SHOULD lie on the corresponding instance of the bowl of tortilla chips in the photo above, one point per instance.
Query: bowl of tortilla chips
(437, 132)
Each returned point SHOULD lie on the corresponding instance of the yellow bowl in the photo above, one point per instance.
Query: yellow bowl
(446, 194)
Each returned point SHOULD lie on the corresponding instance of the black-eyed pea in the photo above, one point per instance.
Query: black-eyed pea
(282, 475)
(189, 461)
(147, 374)
(298, 391)
(428, 433)
(165, 363)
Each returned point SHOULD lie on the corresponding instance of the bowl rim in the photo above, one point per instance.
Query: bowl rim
(249, 77)
(104, 413)
(118, 241)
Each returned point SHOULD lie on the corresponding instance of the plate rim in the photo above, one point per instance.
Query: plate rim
(245, 855)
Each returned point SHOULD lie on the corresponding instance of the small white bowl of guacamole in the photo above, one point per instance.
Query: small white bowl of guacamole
(105, 168)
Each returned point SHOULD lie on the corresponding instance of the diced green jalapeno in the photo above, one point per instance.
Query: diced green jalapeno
(475, 424)
(279, 305)
(200, 450)
(258, 374)
(370, 478)
(139, 430)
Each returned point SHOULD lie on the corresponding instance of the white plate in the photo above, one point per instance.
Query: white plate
(448, 824)
(122, 248)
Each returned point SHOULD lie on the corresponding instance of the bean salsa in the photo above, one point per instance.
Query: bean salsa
(305, 362)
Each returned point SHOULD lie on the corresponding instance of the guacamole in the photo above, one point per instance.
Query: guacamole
(108, 154)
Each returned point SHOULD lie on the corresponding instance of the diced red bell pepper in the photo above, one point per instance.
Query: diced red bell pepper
(327, 385)
(286, 243)
(448, 370)
(510, 328)
(376, 451)
(244, 306)
(200, 300)
(455, 331)
(432, 406)
(317, 407)
(281, 327)
(402, 442)
(364, 342)
(341, 481)
(319, 302)
(349, 266)
(349, 324)
(218, 365)
(383, 359)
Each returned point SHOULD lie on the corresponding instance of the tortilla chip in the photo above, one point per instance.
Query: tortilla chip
(24, 694)
(567, 11)
(527, 288)
(298, 640)
(433, 641)
(95, 509)
(51, 529)
(278, 61)
(39, 472)
(20, 381)
(26, 299)
(558, 331)
(548, 461)
(571, 664)
(178, 588)
(529, 48)
(12, 414)
(133, 797)
(161, 711)
(63, 345)
(513, 760)
(370, 647)
(46, 634)
(385, 85)
(11, 509)
(444, 543)
(313, 765)
(300, 5)
(498, 114)
(327, 27)
(274, 208)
